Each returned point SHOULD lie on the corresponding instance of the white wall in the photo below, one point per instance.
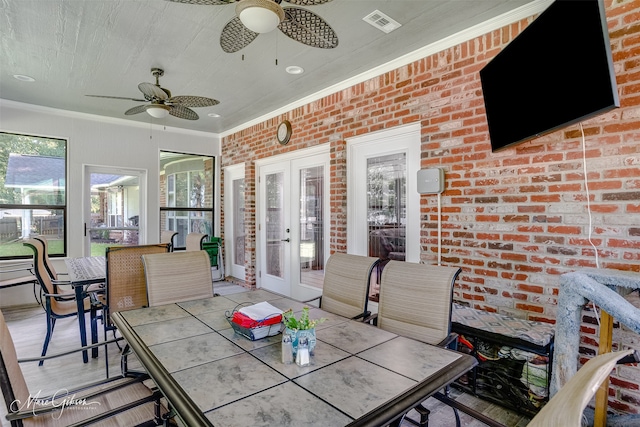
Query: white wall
(100, 141)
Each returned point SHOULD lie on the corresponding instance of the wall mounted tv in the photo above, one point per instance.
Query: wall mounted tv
(558, 71)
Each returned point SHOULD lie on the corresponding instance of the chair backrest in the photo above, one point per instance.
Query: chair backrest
(346, 284)
(566, 407)
(12, 383)
(169, 236)
(177, 276)
(41, 272)
(415, 300)
(47, 262)
(194, 241)
(126, 283)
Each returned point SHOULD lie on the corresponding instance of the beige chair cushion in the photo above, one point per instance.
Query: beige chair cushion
(177, 276)
(415, 300)
(346, 284)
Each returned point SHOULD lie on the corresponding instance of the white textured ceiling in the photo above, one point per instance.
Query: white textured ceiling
(106, 47)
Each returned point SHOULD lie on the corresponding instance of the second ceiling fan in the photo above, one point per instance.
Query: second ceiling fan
(254, 17)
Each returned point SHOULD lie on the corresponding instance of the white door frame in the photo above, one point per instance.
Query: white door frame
(359, 149)
(86, 198)
(231, 173)
(298, 291)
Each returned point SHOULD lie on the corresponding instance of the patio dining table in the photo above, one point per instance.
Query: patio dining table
(84, 271)
(360, 375)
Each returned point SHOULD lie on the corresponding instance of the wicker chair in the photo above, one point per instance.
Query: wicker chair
(169, 236)
(107, 399)
(57, 305)
(194, 241)
(126, 284)
(177, 276)
(346, 285)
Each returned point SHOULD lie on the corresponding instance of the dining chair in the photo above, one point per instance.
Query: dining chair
(57, 305)
(194, 241)
(345, 290)
(125, 398)
(177, 277)
(415, 302)
(169, 236)
(58, 278)
(126, 284)
(18, 274)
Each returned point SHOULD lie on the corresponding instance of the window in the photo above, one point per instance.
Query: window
(186, 194)
(33, 176)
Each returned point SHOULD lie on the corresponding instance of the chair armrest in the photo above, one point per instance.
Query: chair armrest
(362, 316)
(15, 268)
(65, 353)
(319, 298)
(372, 318)
(448, 341)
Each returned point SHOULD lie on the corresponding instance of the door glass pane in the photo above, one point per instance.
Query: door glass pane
(275, 224)
(238, 221)
(186, 194)
(387, 213)
(311, 226)
(115, 211)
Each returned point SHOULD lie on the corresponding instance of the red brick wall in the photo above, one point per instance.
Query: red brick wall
(513, 220)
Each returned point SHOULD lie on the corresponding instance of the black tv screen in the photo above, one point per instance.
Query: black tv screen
(558, 71)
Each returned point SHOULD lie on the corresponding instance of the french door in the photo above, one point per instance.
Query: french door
(293, 223)
(114, 210)
(382, 195)
(234, 224)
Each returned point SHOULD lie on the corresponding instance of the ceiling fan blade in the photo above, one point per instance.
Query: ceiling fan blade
(183, 112)
(302, 2)
(117, 97)
(152, 92)
(136, 110)
(193, 101)
(235, 36)
(207, 2)
(308, 28)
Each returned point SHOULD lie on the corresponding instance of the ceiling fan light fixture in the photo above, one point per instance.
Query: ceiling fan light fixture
(260, 16)
(158, 111)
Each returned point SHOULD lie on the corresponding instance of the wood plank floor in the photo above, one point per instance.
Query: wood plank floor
(27, 327)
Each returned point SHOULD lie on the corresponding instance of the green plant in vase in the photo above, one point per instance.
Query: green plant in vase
(301, 326)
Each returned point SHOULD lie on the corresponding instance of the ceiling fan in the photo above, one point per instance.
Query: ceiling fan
(262, 16)
(162, 103)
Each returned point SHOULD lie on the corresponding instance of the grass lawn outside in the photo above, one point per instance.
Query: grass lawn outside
(56, 247)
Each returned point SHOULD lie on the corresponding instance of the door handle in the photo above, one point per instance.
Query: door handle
(286, 240)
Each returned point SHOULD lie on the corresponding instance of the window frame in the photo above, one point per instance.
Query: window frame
(21, 206)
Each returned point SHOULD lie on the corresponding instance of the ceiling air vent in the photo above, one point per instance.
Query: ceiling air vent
(381, 21)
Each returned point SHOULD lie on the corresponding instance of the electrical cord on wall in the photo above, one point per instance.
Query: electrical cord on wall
(586, 186)
(439, 230)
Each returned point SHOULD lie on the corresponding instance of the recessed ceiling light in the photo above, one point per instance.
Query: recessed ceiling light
(23, 78)
(294, 69)
(213, 115)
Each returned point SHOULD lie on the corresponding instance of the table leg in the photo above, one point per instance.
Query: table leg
(83, 328)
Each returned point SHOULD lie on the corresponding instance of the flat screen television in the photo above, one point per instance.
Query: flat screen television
(558, 71)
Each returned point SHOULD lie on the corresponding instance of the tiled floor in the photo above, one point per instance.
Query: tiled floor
(26, 325)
